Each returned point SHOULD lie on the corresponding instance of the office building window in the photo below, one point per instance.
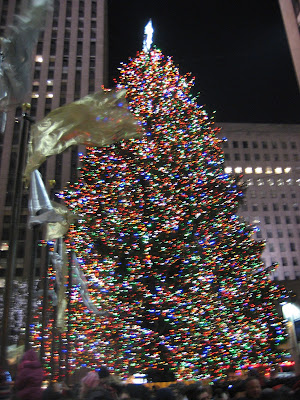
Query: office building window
(264, 145)
(245, 145)
(293, 145)
(271, 248)
(227, 157)
(237, 157)
(267, 157)
(290, 233)
(247, 157)
(292, 246)
(283, 145)
(275, 207)
(287, 220)
(282, 246)
(258, 234)
(297, 218)
(235, 144)
(276, 157)
(295, 206)
(256, 157)
(269, 234)
(285, 207)
(286, 276)
(295, 261)
(277, 220)
(279, 234)
(265, 207)
(267, 220)
(274, 145)
(284, 261)
(53, 47)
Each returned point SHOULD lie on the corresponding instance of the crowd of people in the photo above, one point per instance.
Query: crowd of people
(101, 384)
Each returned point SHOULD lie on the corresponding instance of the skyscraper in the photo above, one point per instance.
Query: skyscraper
(290, 11)
(69, 62)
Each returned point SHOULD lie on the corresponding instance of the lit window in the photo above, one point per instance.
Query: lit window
(287, 170)
(298, 182)
(228, 170)
(260, 182)
(49, 95)
(248, 170)
(238, 170)
(258, 170)
(290, 182)
(269, 170)
(35, 95)
(38, 59)
(278, 170)
(249, 182)
(271, 182)
(49, 82)
(280, 182)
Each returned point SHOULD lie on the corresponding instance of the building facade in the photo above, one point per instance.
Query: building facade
(69, 63)
(290, 11)
(268, 157)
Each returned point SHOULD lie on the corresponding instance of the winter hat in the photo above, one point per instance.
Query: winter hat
(91, 380)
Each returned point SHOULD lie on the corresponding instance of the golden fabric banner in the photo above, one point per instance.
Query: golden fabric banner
(56, 230)
(98, 119)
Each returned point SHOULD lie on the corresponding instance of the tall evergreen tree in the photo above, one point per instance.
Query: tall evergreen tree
(176, 276)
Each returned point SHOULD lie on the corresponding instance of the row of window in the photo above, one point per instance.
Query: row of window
(263, 144)
(258, 170)
(259, 157)
(279, 234)
(272, 182)
(263, 194)
(280, 219)
(273, 206)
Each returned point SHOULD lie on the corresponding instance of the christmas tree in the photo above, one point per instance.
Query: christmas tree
(174, 278)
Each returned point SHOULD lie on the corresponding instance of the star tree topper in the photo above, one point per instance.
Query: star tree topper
(148, 37)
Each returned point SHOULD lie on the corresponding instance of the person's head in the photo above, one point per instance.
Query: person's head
(203, 394)
(253, 388)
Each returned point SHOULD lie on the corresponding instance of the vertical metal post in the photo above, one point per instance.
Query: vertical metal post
(44, 306)
(13, 238)
(69, 317)
(30, 285)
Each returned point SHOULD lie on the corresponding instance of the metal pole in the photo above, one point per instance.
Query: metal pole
(69, 318)
(30, 285)
(44, 306)
(13, 238)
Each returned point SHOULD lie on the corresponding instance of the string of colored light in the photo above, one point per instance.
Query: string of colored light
(167, 260)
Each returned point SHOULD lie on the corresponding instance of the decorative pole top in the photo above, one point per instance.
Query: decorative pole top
(148, 36)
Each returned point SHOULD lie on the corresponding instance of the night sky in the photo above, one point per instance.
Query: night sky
(236, 49)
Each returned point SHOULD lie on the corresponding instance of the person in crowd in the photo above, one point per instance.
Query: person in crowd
(29, 377)
(5, 391)
(90, 381)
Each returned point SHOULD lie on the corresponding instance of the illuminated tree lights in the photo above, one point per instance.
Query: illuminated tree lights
(166, 258)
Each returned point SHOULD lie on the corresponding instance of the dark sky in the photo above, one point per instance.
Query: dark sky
(236, 49)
